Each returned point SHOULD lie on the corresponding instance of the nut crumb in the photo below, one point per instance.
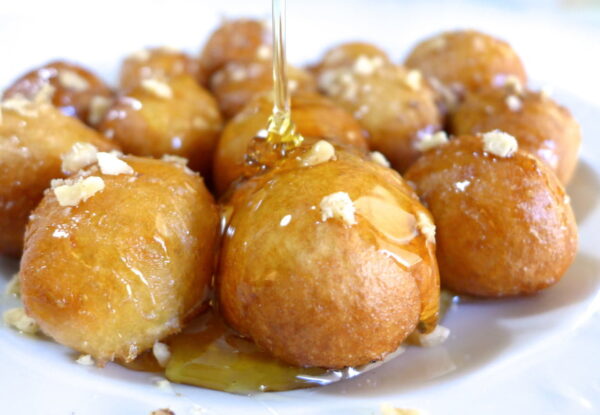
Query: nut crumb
(71, 192)
(366, 66)
(14, 286)
(44, 94)
(426, 226)
(414, 79)
(338, 205)
(85, 360)
(429, 141)
(162, 353)
(435, 338)
(112, 165)
(72, 80)
(379, 158)
(390, 410)
(21, 105)
(79, 156)
(499, 143)
(18, 319)
(320, 152)
(158, 88)
(162, 383)
(99, 106)
(514, 103)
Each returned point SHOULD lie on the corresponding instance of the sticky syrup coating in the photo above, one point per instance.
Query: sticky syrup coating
(504, 224)
(155, 63)
(394, 105)
(74, 87)
(466, 60)
(314, 116)
(107, 280)
(187, 123)
(325, 293)
(542, 126)
(236, 40)
(238, 82)
(30, 150)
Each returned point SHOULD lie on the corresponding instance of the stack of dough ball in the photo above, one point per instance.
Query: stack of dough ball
(166, 116)
(328, 260)
(395, 105)
(236, 64)
(313, 115)
(113, 273)
(76, 91)
(504, 223)
(464, 60)
(155, 63)
(541, 126)
(33, 137)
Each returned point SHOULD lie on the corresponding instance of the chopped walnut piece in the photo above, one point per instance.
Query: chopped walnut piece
(79, 156)
(71, 192)
(379, 158)
(112, 165)
(158, 88)
(429, 141)
(162, 353)
(499, 143)
(19, 320)
(99, 106)
(414, 79)
(338, 205)
(72, 80)
(514, 103)
(320, 152)
(85, 360)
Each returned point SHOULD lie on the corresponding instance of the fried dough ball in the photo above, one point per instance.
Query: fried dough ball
(542, 127)
(113, 273)
(238, 82)
(155, 63)
(330, 264)
(504, 223)
(313, 114)
(33, 136)
(238, 40)
(466, 60)
(395, 105)
(175, 116)
(77, 91)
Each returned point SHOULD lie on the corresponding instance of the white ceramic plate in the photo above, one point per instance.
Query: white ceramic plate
(487, 338)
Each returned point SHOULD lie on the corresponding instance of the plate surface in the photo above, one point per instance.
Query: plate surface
(488, 340)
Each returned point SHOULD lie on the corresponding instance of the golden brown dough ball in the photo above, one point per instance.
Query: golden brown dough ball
(76, 91)
(504, 223)
(238, 82)
(237, 40)
(162, 63)
(175, 116)
(313, 114)
(124, 265)
(328, 262)
(542, 127)
(465, 60)
(395, 105)
(33, 136)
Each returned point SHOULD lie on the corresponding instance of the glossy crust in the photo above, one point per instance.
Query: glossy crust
(238, 82)
(314, 116)
(74, 87)
(186, 124)
(122, 270)
(542, 127)
(237, 40)
(30, 150)
(466, 60)
(504, 225)
(395, 105)
(161, 63)
(325, 293)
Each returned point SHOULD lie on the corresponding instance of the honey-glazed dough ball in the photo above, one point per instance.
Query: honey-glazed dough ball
(161, 63)
(542, 126)
(33, 137)
(504, 223)
(236, 40)
(175, 116)
(466, 60)
(238, 82)
(395, 105)
(313, 115)
(125, 262)
(76, 91)
(329, 264)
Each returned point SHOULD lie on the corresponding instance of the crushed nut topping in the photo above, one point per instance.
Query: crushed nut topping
(379, 158)
(21, 105)
(162, 353)
(320, 152)
(428, 141)
(338, 205)
(99, 106)
(78, 157)
(71, 192)
(499, 143)
(112, 165)
(514, 103)
(72, 80)
(414, 79)
(85, 360)
(158, 88)
(366, 66)
(19, 320)
(14, 286)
